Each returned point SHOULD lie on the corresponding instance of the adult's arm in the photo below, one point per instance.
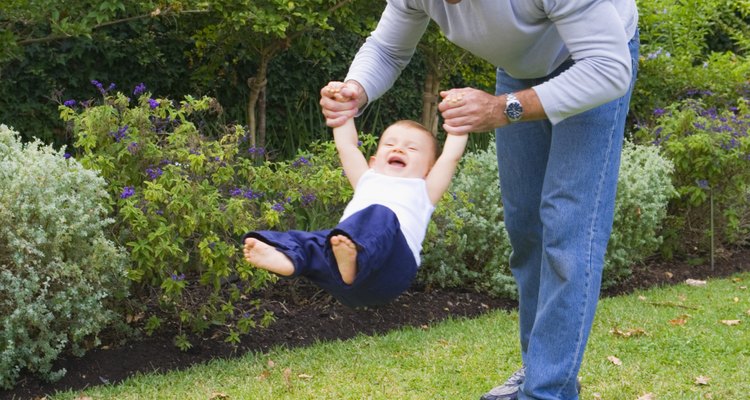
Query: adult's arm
(387, 50)
(594, 34)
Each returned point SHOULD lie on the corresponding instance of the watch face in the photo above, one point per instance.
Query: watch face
(514, 111)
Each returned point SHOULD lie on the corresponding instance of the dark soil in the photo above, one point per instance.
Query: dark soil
(316, 317)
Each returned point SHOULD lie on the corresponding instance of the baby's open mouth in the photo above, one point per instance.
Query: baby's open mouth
(396, 161)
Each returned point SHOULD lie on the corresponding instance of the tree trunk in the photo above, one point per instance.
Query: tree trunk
(262, 117)
(256, 85)
(430, 101)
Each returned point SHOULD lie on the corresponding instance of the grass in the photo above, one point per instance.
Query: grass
(665, 341)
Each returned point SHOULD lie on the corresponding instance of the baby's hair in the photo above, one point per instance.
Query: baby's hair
(416, 125)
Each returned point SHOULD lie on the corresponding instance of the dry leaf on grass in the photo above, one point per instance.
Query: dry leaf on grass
(628, 333)
(304, 376)
(730, 322)
(647, 396)
(614, 360)
(702, 380)
(679, 321)
(218, 396)
(695, 282)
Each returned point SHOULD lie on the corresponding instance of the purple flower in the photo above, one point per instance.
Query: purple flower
(67, 155)
(300, 162)
(153, 103)
(127, 191)
(658, 112)
(101, 88)
(177, 278)
(702, 183)
(133, 147)
(69, 103)
(308, 199)
(249, 194)
(257, 150)
(154, 173)
(236, 192)
(139, 89)
(120, 134)
(278, 207)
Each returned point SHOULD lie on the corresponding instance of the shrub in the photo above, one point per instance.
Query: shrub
(467, 245)
(182, 201)
(643, 192)
(700, 45)
(59, 275)
(710, 150)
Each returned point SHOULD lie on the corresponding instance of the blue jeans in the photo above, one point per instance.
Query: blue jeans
(558, 188)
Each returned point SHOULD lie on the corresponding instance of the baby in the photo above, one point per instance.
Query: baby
(373, 254)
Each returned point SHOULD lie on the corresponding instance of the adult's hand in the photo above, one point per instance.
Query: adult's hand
(471, 110)
(340, 101)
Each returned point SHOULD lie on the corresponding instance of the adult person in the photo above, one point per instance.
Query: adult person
(565, 75)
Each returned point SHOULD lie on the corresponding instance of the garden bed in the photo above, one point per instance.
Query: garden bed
(314, 316)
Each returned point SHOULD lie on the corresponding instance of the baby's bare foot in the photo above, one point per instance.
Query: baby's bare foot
(263, 255)
(345, 252)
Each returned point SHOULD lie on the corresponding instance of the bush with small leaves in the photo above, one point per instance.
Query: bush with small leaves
(184, 198)
(59, 275)
(710, 150)
(467, 245)
(643, 192)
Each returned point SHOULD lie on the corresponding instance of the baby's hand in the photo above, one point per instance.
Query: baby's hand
(453, 99)
(334, 91)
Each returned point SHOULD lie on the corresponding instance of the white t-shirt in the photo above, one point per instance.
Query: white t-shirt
(406, 197)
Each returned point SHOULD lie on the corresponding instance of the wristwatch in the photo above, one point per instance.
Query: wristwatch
(513, 108)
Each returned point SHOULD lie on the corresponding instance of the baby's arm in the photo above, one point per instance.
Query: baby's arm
(442, 172)
(353, 161)
(347, 145)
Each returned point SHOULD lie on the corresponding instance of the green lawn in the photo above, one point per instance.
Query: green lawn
(679, 342)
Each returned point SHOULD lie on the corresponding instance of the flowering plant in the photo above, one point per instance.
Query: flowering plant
(182, 200)
(710, 150)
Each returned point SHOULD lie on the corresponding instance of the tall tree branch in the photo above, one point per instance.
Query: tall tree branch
(153, 14)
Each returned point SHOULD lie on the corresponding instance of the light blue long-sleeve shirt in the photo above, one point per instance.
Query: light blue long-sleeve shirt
(527, 38)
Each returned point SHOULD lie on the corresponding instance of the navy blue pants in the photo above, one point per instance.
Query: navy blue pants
(385, 264)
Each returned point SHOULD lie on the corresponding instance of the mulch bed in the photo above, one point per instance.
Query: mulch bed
(314, 317)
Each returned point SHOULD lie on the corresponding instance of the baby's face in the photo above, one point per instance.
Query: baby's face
(404, 152)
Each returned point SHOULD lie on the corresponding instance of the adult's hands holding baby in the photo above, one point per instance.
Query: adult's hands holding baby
(467, 110)
(341, 101)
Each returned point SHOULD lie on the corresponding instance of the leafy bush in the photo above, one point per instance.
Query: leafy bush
(710, 149)
(700, 45)
(467, 245)
(183, 200)
(643, 192)
(59, 275)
